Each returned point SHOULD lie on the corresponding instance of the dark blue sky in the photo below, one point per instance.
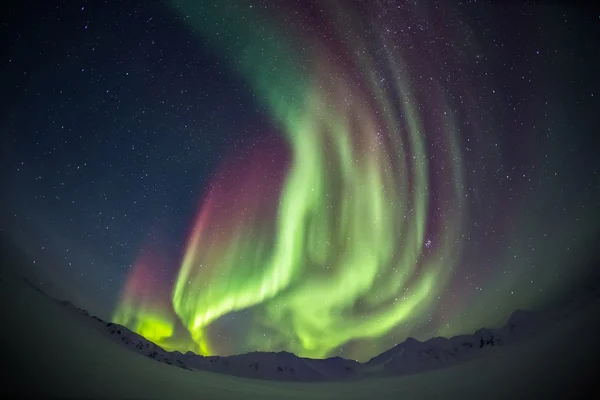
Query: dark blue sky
(113, 117)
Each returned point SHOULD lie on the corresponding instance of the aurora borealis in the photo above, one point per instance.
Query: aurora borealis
(389, 177)
(338, 249)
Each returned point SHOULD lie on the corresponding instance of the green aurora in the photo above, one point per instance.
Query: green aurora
(357, 235)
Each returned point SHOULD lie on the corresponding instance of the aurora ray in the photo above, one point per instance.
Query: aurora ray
(144, 307)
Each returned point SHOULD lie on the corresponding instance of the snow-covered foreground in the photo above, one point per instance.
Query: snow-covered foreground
(49, 349)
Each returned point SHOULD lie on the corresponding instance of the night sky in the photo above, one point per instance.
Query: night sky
(324, 178)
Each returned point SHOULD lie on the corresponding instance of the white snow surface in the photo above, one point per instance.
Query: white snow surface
(55, 349)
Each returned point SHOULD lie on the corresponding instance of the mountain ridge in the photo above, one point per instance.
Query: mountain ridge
(408, 357)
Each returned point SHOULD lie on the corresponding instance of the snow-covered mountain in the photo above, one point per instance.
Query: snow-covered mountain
(51, 348)
(413, 356)
(408, 357)
(282, 366)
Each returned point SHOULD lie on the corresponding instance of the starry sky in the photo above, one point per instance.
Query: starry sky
(324, 178)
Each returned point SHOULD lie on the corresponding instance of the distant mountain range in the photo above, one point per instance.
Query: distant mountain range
(408, 357)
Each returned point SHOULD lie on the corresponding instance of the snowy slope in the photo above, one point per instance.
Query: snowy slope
(49, 349)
